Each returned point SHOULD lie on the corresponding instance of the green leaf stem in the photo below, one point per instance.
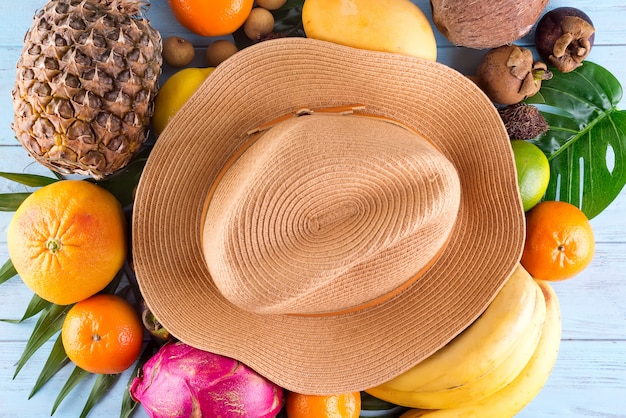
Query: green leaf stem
(102, 384)
(49, 323)
(128, 404)
(75, 378)
(7, 271)
(36, 305)
(9, 202)
(586, 142)
(31, 180)
(56, 361)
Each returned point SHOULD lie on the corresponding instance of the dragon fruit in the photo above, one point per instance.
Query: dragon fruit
(182, 381)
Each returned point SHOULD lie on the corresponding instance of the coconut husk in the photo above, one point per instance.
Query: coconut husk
(482, 24)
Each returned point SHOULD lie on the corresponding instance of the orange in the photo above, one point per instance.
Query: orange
(559, 241)
(211, 17)
(345, 405)
(102, 334)
(67, 240)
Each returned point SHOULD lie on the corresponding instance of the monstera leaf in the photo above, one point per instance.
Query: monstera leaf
(586, 143)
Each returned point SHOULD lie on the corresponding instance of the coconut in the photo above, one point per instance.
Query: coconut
(485, 24)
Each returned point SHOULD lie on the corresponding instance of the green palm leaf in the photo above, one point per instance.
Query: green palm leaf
(102, 384)
(56, 360)
(7, 271)
(9, 202)
(586, 143)
(31, 180)
(49, 323)
(36, 305)
(75, 378)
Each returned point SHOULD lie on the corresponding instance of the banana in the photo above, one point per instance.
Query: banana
(485, 385)
(508, 401)
(481, 347)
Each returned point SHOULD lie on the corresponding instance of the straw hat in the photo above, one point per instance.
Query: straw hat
(328, 216)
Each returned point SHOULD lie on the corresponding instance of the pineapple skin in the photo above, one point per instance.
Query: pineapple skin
(85, 85)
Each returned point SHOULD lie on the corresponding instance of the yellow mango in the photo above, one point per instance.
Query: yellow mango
(380, 25)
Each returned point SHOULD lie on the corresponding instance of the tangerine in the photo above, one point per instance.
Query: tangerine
(211, 17)
(559, 241)
(67, 240)
(344, 405)
(102, 334)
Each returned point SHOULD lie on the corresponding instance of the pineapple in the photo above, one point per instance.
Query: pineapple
(85, 85)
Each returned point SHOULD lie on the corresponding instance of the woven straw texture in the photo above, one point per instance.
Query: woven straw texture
(332, 353)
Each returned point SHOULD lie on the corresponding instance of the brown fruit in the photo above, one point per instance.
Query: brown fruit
(508, 74)
(219, 51)
(564, 37)
(178, 51)
(483, 24)
(259, 23)
(271, 4)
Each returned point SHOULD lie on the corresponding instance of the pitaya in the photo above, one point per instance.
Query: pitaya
(182, 381)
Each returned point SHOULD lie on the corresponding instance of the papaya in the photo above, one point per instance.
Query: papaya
(397, 26)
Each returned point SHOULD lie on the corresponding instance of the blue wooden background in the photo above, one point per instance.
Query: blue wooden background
(589, 379)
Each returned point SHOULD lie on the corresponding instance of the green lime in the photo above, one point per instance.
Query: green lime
(533, 172)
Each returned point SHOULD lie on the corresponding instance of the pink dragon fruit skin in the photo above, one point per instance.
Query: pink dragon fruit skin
(182, 381)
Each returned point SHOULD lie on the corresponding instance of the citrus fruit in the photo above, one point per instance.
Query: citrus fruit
(67, 240)
(102, 334)
(174, 93)
(559, 241)
(211, 17)
(345, 405)
(533, 172)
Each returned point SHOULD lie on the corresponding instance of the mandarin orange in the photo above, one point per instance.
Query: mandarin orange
(211, 17)
(345, 405)
(559, 241)
(67, 240)
(102, 334)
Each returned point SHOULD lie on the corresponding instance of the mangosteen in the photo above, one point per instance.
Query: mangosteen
(508, 74)
(564, 37)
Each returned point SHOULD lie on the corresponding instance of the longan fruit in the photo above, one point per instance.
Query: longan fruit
(259, 23)
(219, 50)
(271, 4)
(178, 51)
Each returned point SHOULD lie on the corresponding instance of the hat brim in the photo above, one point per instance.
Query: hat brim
(358, 350)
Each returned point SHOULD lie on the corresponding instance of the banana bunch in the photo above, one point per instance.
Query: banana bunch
(492, 369)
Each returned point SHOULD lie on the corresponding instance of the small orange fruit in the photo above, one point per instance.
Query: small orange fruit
(559, 241)
(67, 240)
(211, 17)
(345, 405)
(102, 334)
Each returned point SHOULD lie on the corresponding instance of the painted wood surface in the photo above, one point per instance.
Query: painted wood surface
(589, 379)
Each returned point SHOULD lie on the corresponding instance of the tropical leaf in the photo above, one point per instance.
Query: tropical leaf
(31, 180)
(36, 305)
(9, 202)
(586, 143)
(75, 378)
(7, 271)
(128, 404)
(122, 183)
(49, 323)
(102, 384)
(56, 360)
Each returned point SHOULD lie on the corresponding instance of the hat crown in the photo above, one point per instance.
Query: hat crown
(324, 214)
